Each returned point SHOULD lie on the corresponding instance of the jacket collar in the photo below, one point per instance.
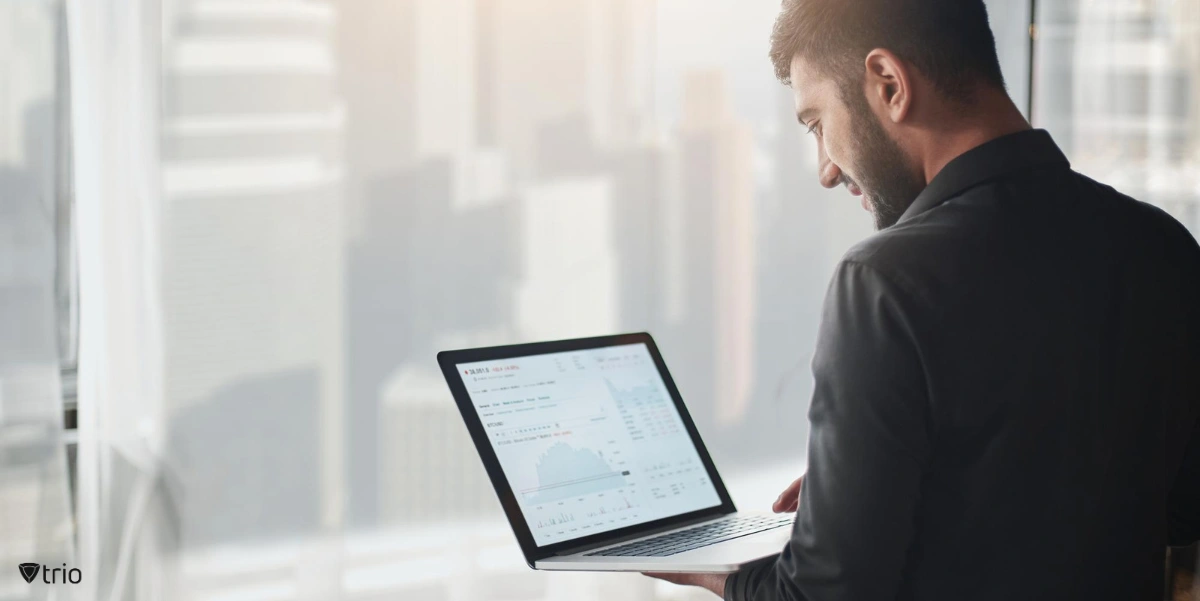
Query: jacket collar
(992, 160)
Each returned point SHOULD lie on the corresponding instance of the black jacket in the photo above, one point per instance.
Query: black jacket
(1007, 400)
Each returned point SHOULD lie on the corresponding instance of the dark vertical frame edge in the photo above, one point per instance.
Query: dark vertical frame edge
(1032, 33)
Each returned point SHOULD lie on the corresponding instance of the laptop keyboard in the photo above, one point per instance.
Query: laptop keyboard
(678, 542)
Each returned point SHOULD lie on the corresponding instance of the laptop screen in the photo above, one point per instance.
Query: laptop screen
(590, 441)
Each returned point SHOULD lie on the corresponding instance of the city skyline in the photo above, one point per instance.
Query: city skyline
(608, 195)
(350, 186)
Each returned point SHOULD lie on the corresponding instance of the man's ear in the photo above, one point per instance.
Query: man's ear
(889, 84)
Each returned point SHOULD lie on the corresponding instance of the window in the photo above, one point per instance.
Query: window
(350, 187)
(36, 286)
(1118, 85)
(342, 188)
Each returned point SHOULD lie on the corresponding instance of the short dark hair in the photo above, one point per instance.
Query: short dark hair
(949, 41)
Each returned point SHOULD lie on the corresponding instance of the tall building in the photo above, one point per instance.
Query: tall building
(28, 184)
(379, 81)
(258, 483)
(550, 59)
(424, 189)
(252, 242)
(429, 470)
(796, 256)
(410, 83)
(716, 261)
(445, 38)
(638, 173)
(569, 285)
(421, 269)
(641, 187)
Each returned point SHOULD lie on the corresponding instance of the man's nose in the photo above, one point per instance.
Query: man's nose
(829, 173)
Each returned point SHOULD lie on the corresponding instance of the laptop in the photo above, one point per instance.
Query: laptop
(597, 463)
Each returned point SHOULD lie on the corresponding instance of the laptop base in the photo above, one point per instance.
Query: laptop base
(723, 557)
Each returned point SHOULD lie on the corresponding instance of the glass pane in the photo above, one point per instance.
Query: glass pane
(1118, 84)
(1010, 24)
(351, 186)
(35, 511)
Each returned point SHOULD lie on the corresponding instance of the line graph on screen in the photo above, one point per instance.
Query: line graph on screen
(565, 472)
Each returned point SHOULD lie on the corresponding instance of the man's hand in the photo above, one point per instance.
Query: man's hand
(712, 582)
(789, 499)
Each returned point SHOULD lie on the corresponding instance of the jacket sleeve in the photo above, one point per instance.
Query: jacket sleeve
(868, 448)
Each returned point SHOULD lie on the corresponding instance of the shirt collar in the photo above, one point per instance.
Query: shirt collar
(992, 160)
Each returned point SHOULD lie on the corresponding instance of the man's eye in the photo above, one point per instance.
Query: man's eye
(813, 129)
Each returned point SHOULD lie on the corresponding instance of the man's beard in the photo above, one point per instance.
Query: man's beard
(889, 186)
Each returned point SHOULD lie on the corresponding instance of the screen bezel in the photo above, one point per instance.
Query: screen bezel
(449, 360)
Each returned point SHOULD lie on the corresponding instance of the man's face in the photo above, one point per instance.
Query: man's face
(852, 147)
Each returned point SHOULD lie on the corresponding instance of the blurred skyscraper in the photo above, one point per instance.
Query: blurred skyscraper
(798, 246)
(549, 59)
(429, 470)
(378, 80)
(569, 280)
(638, 174)
(252, 265)
(717, 260)
(421, 270)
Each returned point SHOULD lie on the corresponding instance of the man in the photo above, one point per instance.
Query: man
(1007, 397)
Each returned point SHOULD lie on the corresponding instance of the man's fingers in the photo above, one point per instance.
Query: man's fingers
(789, 499)
(780, 505)
(672, 577)
(713, 582)
(785, 506)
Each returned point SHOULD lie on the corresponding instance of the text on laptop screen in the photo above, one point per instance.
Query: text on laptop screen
(590, 440)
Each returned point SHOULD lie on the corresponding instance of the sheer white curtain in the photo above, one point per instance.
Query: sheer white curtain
(114, 50)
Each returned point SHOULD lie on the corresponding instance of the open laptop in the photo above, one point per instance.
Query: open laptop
(596, 461)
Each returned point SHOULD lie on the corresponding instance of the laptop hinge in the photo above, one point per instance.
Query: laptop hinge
(637, 535)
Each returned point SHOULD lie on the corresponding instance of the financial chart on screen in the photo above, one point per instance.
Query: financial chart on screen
(590, 441)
